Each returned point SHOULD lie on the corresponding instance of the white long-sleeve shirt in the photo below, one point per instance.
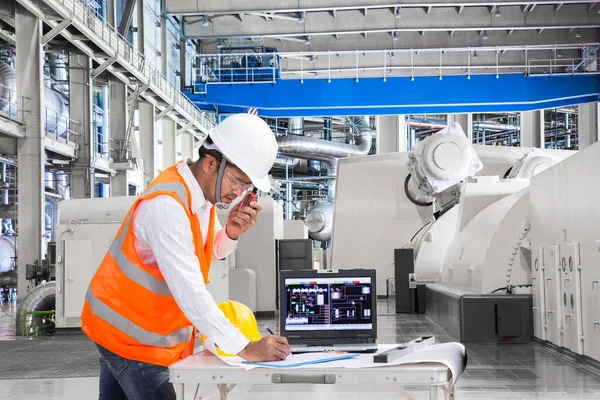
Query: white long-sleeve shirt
(163, 237)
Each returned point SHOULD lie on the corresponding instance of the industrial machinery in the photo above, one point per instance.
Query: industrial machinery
(565, 247)
(463, 212)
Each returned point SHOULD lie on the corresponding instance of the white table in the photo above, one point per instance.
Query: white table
(206, 368)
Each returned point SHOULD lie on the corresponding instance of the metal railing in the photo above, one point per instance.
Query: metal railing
(241, 67)
(12, 105)
(465, 61)
(115, 45)
(60, 127)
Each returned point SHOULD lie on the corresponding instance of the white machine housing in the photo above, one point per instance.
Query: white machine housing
(565, 240)
(480, 244)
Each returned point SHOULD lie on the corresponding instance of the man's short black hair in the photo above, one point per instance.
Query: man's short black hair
(203, 151)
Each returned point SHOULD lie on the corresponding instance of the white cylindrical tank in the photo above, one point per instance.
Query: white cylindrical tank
(8, 252)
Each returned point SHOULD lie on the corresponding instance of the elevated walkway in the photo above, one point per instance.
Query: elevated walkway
(400, 81)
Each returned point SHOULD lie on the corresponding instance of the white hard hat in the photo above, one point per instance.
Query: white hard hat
(248, 142)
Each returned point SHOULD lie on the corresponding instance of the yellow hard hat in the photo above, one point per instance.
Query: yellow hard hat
(242, 318)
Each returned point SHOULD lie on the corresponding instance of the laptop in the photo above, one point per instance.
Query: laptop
(329, 310)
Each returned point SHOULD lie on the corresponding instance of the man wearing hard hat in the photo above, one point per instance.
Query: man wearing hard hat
(149, 294)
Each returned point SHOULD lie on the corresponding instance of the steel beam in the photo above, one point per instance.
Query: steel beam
(30, 179)
(127, 15)
(332, 9)
(147, 140)
(164, 112)
(401, 30)
(185, 128)
(81, 100)
(55, 31)
(110, 61)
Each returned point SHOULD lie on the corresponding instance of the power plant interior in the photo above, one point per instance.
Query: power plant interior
(451, 148)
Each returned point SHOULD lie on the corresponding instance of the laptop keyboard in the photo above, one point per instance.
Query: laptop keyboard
(329, 342)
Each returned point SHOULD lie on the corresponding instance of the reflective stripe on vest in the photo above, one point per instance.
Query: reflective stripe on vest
(129, 269)
(142, 278)
(132, 330)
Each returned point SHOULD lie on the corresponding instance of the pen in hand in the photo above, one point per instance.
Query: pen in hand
(270, 331)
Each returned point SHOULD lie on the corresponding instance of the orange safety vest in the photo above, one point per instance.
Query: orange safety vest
(129, 309)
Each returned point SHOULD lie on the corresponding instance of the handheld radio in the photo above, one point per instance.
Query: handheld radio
(250, 197)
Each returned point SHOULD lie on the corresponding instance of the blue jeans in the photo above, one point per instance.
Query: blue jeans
(124, 379)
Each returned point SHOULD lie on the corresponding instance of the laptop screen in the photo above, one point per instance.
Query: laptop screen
(328, 303)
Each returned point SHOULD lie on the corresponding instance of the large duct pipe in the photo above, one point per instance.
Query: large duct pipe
(319, 221)
(41, 298)
(8, 279)
(281, 162)
(8, 252)
(8, 85)
(55, 114)
(310, 148)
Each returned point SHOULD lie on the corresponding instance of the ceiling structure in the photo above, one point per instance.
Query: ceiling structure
(370, 25)
(312, 27)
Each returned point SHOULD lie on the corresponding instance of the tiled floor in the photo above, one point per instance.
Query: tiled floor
(67, 367)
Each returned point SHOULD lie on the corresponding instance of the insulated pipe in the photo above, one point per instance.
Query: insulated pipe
(8, 279)
(41, 298)
(319, 221)
(494, 126)
(55, 115)
(281, 162)
(309, 148)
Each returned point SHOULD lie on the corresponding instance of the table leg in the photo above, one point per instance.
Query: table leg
(433, 392)
(179, 391)
(449, 392)
(224, 390)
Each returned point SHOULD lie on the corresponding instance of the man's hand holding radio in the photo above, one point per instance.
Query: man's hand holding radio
(241, 218)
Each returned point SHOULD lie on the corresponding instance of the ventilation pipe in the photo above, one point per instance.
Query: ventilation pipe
(310, 148)
(319, 219)
(8, 279)
(41, 298)
(282, 162)
(55, 114)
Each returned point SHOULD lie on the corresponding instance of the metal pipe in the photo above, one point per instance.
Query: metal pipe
(311, 178)
(494, 126)
(281, 162)
(310, 148)
(41, 298)
(8, 279)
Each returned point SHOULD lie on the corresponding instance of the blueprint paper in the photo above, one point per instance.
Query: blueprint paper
(302, 360)
(452, 355)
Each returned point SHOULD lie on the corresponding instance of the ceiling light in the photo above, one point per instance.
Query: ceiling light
(577, 34)
(311, 59)
(205, 23)
(484, 36)
(498, 13)
(307, 41)
(559, 54)
(398, 13)
(396, 36)
(475, 54)
(302, 16)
